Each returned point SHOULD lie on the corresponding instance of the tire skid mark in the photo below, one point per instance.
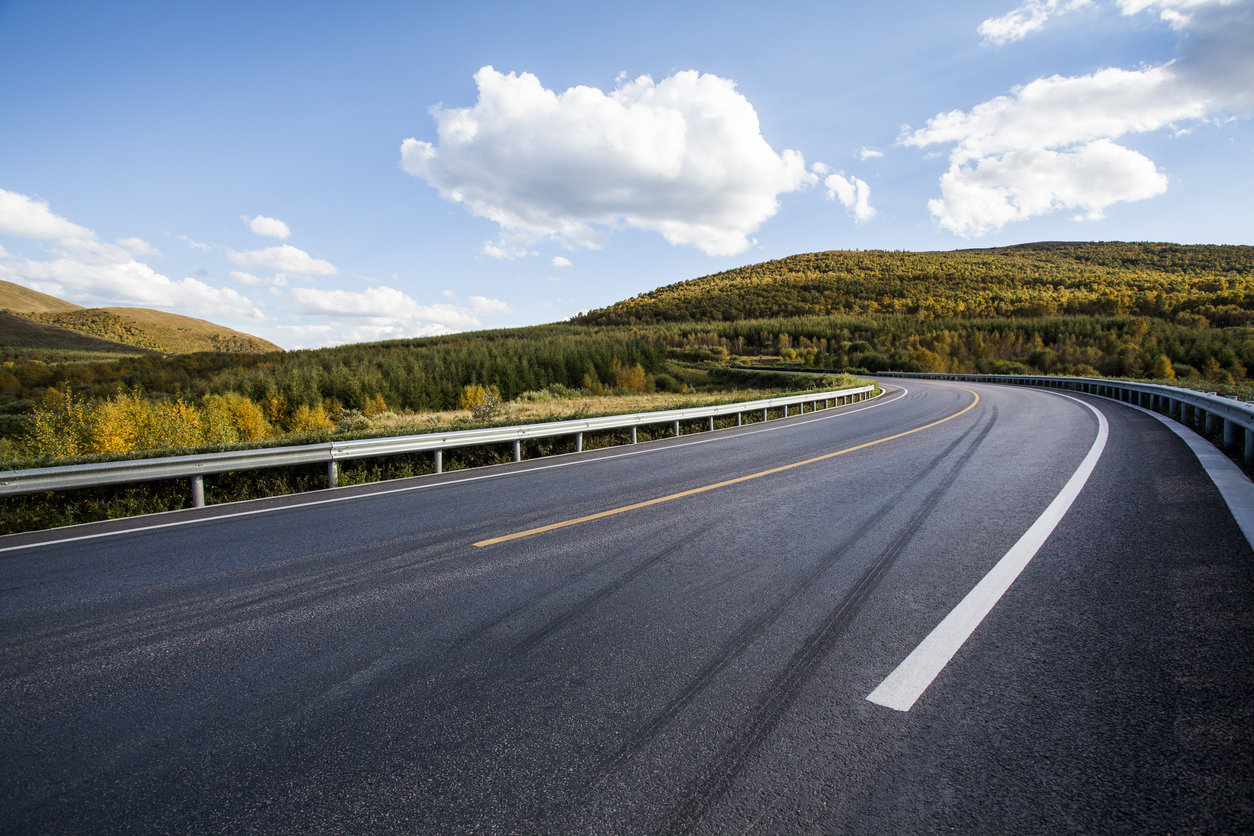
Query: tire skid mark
(388, 663)
(193, 600)
(263, 600)
(771, 705)
(751, 631)
(601, 594)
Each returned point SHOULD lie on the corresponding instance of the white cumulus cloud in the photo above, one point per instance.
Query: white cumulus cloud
(387, 313)
(853, 194)
(1032, 15)
(984, 197)
(126, 283)
(284, 258)
(1049, 145)
(683, 157)
(560, 261)
(28, 217)
(869, 153)
(272, 227)
(85, 270)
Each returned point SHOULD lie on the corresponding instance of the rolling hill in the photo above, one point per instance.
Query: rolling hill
(25, 338)
(137, 328)
(14, 297)
(1030, 280)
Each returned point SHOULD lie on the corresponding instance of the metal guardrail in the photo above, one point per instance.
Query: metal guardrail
(1198, 410)
(196, 467)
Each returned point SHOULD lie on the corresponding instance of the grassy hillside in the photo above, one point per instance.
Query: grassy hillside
(141, 328)
(14, 297)
(184, 334)
(93, 322)
(25, 339)
(1033, 280)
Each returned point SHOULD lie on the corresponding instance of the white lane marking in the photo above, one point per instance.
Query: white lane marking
(912, 677)
(821, 416)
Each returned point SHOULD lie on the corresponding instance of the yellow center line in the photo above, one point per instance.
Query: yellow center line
(670, 497)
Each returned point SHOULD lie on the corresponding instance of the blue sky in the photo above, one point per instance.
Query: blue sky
(319, 173)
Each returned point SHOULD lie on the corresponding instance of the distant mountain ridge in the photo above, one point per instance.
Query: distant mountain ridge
(141, 328)
(1028, 280)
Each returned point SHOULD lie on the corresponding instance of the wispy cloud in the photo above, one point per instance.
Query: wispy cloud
(1032, 15)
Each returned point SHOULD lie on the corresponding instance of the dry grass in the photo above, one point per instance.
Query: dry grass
(184, 334)
(561, 409)
(14, 297)
(167, 332)
(21, 338)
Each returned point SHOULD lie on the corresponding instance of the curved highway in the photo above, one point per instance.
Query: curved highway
(677, 637)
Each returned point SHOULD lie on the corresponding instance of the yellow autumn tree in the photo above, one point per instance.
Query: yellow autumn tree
(307, 419)
(632, 380)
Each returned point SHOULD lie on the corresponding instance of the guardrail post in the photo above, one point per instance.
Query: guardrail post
(711, 423)
(633, 435)
(764, 416)
(740, 422)
(333, 473)
(437, 464)
(676, 428)
(1230, 433)
(578, 442)
(517, 450)
(198, 492)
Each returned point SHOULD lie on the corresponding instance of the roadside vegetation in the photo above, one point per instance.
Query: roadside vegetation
(117, 428)
(1180, 315)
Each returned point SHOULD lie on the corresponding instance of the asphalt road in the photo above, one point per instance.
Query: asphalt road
(699, 664)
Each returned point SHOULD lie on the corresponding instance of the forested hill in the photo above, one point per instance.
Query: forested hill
(1032, 280)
